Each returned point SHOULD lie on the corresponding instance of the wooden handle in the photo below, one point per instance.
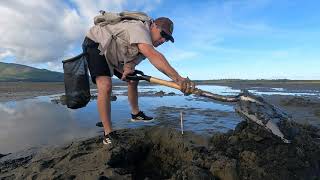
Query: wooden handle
(165, 83)
(195, 91)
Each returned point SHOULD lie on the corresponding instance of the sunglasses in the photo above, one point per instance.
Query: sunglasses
(165, 35)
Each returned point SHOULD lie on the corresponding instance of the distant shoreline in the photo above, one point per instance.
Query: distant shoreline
(10, 91)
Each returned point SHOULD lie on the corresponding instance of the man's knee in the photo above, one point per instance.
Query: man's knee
(104, 84)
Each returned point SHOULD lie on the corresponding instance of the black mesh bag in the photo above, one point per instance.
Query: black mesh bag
(76, 81)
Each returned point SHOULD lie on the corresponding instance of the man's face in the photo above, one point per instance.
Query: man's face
(157, 39)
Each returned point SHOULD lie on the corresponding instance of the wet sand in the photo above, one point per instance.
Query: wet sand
(11, 91)
(304, 110)
(247, 84)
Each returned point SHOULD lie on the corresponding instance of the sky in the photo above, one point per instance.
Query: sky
(214, 39)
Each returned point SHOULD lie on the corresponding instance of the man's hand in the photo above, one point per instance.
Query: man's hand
(127, 70)
(187, 86)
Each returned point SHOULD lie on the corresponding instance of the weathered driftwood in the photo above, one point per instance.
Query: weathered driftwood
(253, 108)
(256, 109)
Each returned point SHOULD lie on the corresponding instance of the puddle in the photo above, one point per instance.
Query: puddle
(37, 121)
(30, 123)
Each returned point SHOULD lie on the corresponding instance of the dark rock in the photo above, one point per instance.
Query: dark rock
(2, 155)
(103, 178)
(99, 124)
(160, 93)
(225, 168)
(171, 94)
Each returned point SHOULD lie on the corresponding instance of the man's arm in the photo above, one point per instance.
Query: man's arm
(160, 62)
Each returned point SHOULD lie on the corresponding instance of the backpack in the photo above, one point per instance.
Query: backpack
(105, 18)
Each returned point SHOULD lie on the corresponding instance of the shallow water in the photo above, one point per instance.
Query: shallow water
(38, 121)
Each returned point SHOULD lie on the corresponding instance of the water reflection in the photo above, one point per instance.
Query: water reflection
(31, 123)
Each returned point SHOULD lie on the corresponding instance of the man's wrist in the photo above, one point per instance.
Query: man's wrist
(177, 79)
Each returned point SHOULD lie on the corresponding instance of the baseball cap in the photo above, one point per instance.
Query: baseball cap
(166, 25)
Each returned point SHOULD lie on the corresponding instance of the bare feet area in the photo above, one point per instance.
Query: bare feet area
(159, 152)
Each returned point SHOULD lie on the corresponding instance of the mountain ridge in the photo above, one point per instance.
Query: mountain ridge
(12, 72)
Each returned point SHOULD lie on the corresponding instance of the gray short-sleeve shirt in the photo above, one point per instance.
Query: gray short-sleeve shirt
(122, 47)
(139, 32)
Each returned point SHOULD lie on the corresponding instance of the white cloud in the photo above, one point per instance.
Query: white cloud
(38, 31)
(55, 66)
(46, 31)
(5, 53)
(173, 53)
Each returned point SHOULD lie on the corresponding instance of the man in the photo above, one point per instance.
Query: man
(118, 48)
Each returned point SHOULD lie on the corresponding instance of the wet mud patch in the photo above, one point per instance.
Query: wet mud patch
(62, 99)
(302, 109)
(303, 102)
(317, 113)
(299, 102)
(248, 152)
(203, 121)
(170, 110)
(150, 93)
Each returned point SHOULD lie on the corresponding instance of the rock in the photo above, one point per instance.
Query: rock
(160, 93)
(225, 168)
(249, 158)
(254, 137)
(99, 124)
(258, 138)
(63, 99)
(233, 139)
(2, 155)
(112, 98)
(193, 172)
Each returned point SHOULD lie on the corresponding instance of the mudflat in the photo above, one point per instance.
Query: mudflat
(287, 84)
(10, 91)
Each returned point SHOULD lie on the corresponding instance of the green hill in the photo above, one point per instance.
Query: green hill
(16, 72)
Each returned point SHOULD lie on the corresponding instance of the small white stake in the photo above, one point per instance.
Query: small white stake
(181, 121)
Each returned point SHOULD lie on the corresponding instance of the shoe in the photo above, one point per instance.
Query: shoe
(141, 117)
(99, 124)
(109, 139)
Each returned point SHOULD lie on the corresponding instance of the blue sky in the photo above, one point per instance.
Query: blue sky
(239, 39)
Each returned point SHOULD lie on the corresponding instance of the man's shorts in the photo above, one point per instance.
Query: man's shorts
(97, 63)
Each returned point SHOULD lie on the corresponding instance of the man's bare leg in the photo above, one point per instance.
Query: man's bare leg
(104, 84)
(133, 96)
